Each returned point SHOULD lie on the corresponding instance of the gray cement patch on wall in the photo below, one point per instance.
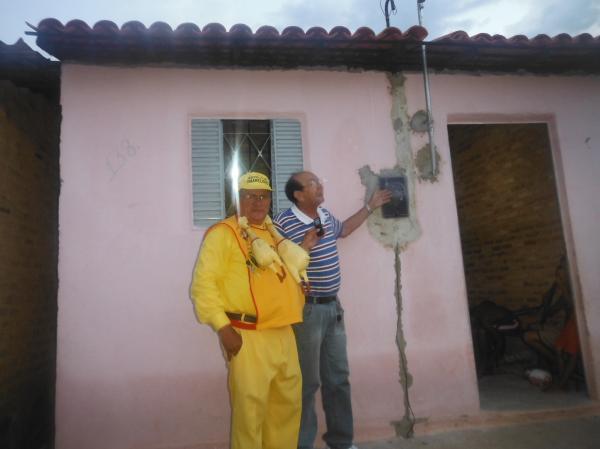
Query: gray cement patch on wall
(392, 232)
(423, 163)
(397, 233)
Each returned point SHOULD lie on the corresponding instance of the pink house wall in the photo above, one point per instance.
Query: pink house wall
(569, 106)
(135, 370)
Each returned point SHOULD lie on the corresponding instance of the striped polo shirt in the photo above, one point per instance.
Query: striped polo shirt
(324, 267)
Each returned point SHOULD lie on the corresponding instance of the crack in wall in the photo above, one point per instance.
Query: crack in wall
(405, 426)
(397, 233)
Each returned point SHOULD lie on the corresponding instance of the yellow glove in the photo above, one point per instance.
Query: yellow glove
(265, 256)
(296, 259)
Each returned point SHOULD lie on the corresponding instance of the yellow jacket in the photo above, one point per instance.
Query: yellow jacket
(226, 280)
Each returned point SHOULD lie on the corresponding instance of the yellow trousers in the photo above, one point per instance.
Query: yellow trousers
(265, 386)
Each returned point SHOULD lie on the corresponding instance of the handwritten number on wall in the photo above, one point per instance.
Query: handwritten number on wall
(119, 158)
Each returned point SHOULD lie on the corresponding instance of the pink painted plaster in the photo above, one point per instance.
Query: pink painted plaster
(135, 370)
(568, 105)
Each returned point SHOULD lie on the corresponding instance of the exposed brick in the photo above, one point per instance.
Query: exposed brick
(508, 211)
(29, 187)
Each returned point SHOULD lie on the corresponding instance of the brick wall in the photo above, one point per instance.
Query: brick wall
(29, 186)
(508, 211)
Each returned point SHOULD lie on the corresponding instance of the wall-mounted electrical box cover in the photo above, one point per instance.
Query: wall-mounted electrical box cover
(398, 206)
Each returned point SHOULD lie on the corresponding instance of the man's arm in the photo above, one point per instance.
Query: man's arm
(209, 270)
(378, 199)
(310, 238)
(207, 299)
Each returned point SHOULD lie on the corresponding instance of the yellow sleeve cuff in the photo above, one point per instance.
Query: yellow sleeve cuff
(219, 321)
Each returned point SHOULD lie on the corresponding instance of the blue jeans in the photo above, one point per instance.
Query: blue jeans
(321, 341)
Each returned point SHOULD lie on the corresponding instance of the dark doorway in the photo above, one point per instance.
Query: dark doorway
(515, 265)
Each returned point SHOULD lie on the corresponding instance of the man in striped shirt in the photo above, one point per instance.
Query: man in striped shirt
(321, 338)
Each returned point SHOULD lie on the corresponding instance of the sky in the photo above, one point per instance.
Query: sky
(440, 17)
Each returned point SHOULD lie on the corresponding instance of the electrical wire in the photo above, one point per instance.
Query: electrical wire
(385, 12)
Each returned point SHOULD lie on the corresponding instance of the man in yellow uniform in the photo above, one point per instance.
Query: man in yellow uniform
(252, 307)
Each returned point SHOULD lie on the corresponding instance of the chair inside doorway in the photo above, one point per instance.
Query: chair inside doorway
(512, 240)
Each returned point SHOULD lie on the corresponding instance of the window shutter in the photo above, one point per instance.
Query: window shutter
(286, 159)
(208, 191)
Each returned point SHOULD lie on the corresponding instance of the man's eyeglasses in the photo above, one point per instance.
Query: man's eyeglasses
(255, 197)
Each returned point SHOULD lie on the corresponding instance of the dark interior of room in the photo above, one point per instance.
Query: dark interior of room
(515, 266)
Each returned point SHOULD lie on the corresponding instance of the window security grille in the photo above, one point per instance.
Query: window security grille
(272, 147)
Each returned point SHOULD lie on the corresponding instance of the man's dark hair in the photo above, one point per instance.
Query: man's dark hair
(293, 185)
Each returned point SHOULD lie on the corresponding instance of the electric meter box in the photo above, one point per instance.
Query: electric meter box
(398, 206)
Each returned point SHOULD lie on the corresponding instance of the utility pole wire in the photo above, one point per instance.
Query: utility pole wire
(386, 12)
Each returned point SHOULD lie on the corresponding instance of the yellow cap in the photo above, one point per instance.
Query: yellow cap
(253, 181)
